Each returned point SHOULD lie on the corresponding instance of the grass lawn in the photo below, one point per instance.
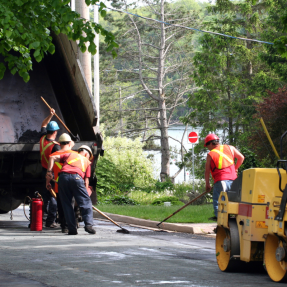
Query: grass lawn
(190, 214)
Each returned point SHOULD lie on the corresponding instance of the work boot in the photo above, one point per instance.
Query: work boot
(90, 229)
(73, 232)
(51, 225)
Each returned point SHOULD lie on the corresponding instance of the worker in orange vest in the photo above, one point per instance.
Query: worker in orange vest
(74, 181)
(48, 145)
(66, 145)
(220, 163)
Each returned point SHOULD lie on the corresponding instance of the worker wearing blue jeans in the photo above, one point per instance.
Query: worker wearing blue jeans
(220, 163)
(74, 182)
(73, 185)
(223, 185)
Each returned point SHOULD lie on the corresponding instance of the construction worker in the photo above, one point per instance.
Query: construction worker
(74, 181)
(220, 163)
(66, 144)
(48, 145)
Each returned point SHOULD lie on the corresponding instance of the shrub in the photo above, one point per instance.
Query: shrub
(172, 199)
(161, 186)
(119, 200)
(184, 192)
(124, 166)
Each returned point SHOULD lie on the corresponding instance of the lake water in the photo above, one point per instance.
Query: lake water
(176, 132)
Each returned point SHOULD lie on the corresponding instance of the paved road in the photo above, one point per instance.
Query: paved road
(141, 258)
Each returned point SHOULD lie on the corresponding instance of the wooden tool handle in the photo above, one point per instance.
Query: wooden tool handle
(184, 206)
(53, 193)
(104, 215)
(56, 115)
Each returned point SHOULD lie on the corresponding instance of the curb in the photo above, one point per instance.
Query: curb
(196, 228)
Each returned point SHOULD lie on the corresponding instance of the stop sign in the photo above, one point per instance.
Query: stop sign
(193, 137)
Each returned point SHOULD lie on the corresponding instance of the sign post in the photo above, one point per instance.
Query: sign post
(193, 139)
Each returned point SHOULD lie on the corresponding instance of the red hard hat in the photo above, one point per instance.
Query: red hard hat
(209, 138)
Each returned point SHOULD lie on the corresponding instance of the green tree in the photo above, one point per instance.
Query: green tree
(26, 27)
(278, 17)
(229, 73)
(274, 28)
(155, 58)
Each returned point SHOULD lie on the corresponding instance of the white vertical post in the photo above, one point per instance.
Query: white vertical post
(193, 166)
(120, 106)
(184, 178)
(72, 4)
(97, 68)
(85, 58)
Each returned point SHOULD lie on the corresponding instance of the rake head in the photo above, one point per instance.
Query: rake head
(123, 230)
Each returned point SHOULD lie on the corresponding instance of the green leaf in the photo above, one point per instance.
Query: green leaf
(24, 36)
(92, 48)
(116, 45)
(102, 6)
(83, 48)
(38, 58)
(2, 70)
(51, 49)
(26, 77)
(7, 19)
(36, 44)
(103, 13)
(8, 33)
(114, 54)
(14, 70)
(37, 53)
(19, 2)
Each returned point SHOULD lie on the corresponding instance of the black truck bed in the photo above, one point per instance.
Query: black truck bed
(60, 81)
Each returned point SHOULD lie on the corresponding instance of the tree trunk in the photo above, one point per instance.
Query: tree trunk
(165, 153)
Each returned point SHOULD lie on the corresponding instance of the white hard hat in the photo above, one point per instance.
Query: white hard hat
(64, 138)
(85, 147)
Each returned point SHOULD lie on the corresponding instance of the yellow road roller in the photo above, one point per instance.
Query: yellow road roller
(251, 222)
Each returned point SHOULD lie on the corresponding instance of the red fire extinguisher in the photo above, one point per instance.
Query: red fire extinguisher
(36, 214)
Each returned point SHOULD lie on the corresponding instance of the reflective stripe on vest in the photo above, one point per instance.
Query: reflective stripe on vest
(76, 159)
(84, 162)
(45, 147)
(59, 165)
(219, 161)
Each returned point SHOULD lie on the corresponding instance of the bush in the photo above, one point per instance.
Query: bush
(172, 199)
(119, 200)
(161, 186)
(184, 192)
(124, 166)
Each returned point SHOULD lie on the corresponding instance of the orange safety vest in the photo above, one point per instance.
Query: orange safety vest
(79, 161)
(58, 166)
(222, 157)
(45, 150)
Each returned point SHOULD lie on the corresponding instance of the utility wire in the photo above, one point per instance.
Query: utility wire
(188, 28)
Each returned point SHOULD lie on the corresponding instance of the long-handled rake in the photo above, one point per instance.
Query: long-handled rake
(183, 207)
(122, 230)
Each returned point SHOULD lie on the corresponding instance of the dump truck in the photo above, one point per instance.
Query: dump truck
(59, 79)
(251, 223)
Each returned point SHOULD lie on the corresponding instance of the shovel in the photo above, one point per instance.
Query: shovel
(76, 138)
